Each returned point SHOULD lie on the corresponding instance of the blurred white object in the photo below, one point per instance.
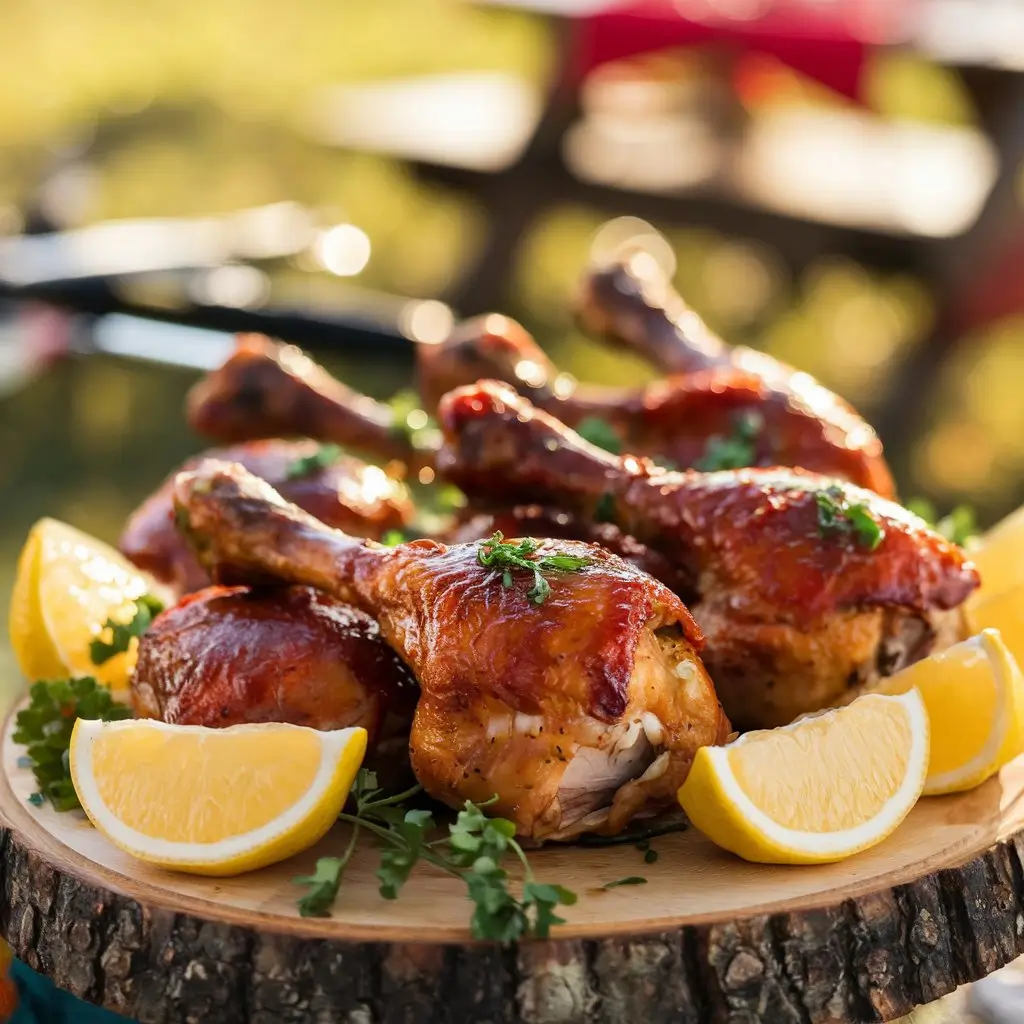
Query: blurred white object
(850, 168)
(481, 120)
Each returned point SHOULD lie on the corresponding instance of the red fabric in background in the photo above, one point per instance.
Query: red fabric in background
(827, 40)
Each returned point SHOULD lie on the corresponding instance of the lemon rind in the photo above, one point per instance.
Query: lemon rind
(169, 853)
(844, 842)
(990, 759)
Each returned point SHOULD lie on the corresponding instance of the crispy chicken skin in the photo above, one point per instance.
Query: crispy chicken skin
(630, 302)
(795, 620)
(578, 713)
(266, 389)
(356, 497)
(234, 655)
(681, 418)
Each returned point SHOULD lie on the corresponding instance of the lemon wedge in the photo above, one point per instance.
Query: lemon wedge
(212, 801)
(818, 790)
(66, 587)
(974, 695)
(1002, 611)
(999, 557)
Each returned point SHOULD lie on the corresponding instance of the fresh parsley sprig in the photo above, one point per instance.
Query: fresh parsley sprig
(601, 433)
(101, 650)
(473, 851)
(306, 465)
(504, 556)
(735, 451)
(837, 515)
(45, 728)
(960, 526)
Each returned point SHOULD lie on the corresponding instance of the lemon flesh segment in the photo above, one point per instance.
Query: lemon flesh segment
(213, 801)
(67, 586)
(1003, 612)
(999, 558)
(819, 790)
(974, 695)
(30, 640)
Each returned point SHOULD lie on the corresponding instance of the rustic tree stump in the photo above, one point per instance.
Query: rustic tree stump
(708, 939)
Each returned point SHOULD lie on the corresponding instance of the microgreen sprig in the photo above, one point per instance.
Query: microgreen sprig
(101, 650)
(45, 727)
(324, 456)
(473, 851)
(837, 515)
(504, 556)
(736, 450)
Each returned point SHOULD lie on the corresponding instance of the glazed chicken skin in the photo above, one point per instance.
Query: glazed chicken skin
(686, 419)
(266, 389)
(631, 303)
(578, 713)
(797, 617)
(356, 497)
(237, 655)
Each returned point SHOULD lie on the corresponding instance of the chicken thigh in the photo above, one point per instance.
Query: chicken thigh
(579, 704)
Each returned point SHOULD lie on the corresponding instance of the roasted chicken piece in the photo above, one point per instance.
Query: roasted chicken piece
(235, 655)
(800, 609)
(266, 389)
(340, 490)
(631, 302)
(578, 712)
(723, 417)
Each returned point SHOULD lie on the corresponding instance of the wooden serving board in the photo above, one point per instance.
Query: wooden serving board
(708, 938)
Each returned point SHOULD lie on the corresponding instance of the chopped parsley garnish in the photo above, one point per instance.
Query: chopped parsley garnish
(737, 450)
(960, 526)
(45, 728)
(504, 556)
(120, 634)
(631, 880)
(601, 433)
(325, 455)
(473, 851)
(838, 516)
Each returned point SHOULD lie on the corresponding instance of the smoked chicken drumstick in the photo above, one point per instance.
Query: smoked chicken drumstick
(806, 588)
(631, 302)
(336, 488)
(266, 389)
(720, 417)
(234, 655)
(578, 708)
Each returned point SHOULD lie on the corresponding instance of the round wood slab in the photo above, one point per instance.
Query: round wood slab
(708, 938)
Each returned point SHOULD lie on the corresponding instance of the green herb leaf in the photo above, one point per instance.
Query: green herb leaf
(837, 515)
(960, 526)
(473, 851)
(503, 556)
(45, 726)
(737, 450)
(601, 433)
(326, 455)
(631, 880)
(102, 650)
(397, 862)
(392, 538)
(323, 884)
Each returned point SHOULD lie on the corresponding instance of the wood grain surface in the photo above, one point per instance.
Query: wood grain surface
(708, 937)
